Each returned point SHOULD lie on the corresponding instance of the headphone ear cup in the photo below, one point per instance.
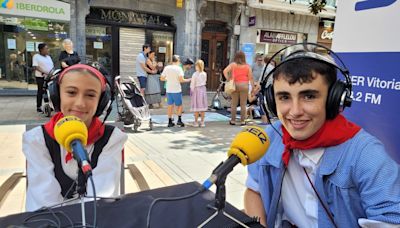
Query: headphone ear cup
(269, 97)
(334, 103)
(105, 102)
(53, 91)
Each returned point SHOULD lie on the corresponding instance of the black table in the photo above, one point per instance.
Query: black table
(131, 211)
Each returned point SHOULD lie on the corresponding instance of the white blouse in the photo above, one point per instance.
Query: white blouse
(198, 79)
(43, 187)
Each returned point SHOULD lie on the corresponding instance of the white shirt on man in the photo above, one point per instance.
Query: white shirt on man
(172, 73)
(44, 62)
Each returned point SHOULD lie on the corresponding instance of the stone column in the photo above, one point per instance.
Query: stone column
(72, 24)
(82, 9)
(191, 31)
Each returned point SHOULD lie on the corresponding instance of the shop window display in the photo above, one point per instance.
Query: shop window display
(98, 45)
(163, 45)
(19, 38)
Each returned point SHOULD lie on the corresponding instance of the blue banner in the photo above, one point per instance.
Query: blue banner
(376, 96)
(367, 41)
(249, 49)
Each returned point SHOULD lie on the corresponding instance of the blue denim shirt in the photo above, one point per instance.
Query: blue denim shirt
(356, 179)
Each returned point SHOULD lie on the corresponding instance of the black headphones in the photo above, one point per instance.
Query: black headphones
(339, 94)
(105, 97)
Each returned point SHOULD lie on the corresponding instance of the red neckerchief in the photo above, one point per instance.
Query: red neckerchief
(95, 131)
(332, 133)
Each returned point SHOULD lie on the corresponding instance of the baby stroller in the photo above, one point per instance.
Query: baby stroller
(48, 79)
(131, 106)
(220, 93)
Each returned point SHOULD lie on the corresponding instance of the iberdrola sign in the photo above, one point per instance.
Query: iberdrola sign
(47, 9)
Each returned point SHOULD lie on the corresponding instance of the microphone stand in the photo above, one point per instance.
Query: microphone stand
(219, 203)
(82, 182)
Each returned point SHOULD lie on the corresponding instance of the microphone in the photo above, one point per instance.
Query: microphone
(247, 147)
(71, 133)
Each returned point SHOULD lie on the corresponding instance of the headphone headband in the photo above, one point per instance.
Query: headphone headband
(307, 50)
(91, 69)
(339, 94)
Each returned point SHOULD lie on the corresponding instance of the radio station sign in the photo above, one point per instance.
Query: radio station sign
(278, 37)
(371, 51)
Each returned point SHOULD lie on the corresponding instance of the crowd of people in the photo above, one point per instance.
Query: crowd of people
(149, 73)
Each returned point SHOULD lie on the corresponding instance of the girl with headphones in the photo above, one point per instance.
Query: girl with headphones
(320, 170)
(80, 91)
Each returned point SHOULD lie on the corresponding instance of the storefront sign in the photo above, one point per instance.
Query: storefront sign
(252, 21)
(95, 31)
(325, 35)
(179, 3)
(47, 9)
(278, 37)
(163, 36)
(371, 51)
(129, 17)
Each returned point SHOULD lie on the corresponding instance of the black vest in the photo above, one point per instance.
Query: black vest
(66, 183)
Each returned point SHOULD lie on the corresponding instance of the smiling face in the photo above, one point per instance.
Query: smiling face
(80, 94)
(301, 107)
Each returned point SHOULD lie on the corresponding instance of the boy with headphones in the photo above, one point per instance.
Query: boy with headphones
(80, 91)
(320, 170)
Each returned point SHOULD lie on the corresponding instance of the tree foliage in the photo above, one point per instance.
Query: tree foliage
(315, 6)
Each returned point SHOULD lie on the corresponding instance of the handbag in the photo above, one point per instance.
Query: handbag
(230, 87)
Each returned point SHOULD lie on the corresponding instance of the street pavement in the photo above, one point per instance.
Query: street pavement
(153, 158)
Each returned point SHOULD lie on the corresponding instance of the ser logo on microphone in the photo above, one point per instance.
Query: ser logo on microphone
(257, 132)
(66, 119)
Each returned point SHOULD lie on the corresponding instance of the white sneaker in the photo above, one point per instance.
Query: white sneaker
(202, 124)
(195, 124)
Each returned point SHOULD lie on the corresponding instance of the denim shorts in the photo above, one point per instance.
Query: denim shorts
(174, 98)
(142, 81)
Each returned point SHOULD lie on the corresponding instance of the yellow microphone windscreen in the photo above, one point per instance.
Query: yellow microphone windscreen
(249, 145)
(68, 129)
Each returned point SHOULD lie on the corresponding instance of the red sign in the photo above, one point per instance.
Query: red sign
(278, 37)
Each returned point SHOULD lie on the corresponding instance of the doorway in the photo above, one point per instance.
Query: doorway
(214, 55)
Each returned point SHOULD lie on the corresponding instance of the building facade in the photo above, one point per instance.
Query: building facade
(113, 35)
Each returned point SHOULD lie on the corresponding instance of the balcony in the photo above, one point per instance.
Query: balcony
(297, 7)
